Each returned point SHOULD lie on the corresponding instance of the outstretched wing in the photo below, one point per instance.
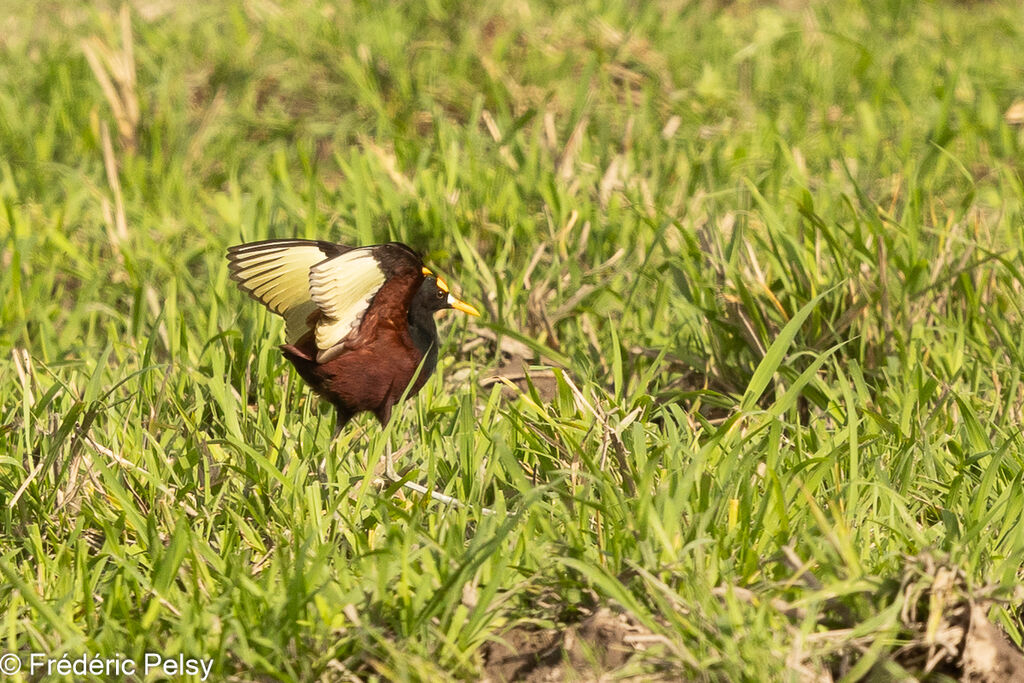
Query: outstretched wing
(316, 286)
(342, 288)
(276, 273)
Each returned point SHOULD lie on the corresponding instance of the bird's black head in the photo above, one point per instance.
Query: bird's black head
(434, 295)
(429, 298)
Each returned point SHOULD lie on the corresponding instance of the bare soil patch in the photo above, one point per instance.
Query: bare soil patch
(600, 644)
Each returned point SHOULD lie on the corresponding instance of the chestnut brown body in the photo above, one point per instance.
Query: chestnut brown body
(363, 329)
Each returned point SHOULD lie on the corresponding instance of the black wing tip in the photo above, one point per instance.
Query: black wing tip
(329, 249)
(262, 245)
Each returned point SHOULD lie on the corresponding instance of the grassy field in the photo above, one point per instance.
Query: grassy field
(746, 395)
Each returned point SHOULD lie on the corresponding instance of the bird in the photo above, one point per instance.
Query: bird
(359, 321)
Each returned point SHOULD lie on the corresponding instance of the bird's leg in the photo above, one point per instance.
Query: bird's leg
(440, 497)
(341, 418)
(389, 468)
(384, 416)
(390, 472)
(419, 488)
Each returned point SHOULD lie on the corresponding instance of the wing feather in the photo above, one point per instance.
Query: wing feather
(276, 273)
(343, 287)
(316, 286)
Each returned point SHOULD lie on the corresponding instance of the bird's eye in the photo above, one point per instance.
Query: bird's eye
(440, 294)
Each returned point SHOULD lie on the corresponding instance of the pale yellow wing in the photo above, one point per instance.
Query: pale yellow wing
(276, 273)
(343, 287)
(308, 282)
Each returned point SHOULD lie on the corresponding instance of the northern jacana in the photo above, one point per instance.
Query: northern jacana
(359, 321)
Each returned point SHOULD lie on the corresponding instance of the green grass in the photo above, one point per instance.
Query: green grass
(773, 253)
